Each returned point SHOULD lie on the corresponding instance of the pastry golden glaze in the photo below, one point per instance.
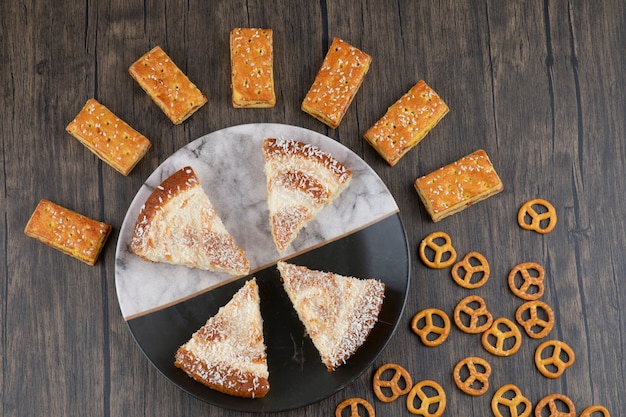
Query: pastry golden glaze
(167, 85)
(338, 312)
(456, 186)
(301, 181)
(70, 232)
(228, 353)
(178, 225)
(406, 122)
(252, 68)
(337, 82)
(109, 137)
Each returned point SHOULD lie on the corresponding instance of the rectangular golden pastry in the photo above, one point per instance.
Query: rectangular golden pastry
(108, 136)
(252, 68)
(167, 85)
(458, 185)
(70, 232)
(406, 122)
(337, 82)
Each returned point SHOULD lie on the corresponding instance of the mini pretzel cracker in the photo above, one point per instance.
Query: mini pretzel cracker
(354, 404)
(420, 390)
(480, 319)
(527, 315)
(541, 220)
(435, 255)
(596, 408)
(108, 136)
(70, 232)
(511, 403)
(336, 83)
(430, 327)
(406, 122)
(479, 371)
(552, 401)
(393, 384)
(500, 345)
(167, 85)
(531, 285)
(473, 264)
(252, 68)
(553, 365)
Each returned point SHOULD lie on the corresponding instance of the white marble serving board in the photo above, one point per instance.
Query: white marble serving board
(229, 164)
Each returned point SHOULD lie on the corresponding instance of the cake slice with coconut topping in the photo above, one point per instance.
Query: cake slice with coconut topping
(338, 312)
(228, 354)
(178, 225)
(301, 181)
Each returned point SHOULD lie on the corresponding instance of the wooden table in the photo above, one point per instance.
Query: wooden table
(539, 85)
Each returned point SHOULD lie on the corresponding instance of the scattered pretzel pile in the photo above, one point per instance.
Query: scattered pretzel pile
(500, 336)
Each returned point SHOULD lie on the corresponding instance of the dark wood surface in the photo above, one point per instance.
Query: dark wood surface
(538, 84)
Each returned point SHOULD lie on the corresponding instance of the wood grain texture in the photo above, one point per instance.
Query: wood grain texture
(539, 85)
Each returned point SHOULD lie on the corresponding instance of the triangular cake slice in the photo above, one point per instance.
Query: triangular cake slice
(178, 225)
(301, 181)
(338, 312)
(228, 354)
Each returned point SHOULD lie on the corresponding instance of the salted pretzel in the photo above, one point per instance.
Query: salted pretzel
(477, 381)
(511, 403)
(400, 376)
(596, 408)
(429, 326)
(541, 221)
(473, 264)
(442, 255)
(554, 364)
(421, 391)
(531, 286)
(500, 337)
(551, 401)
(480, 319)
(528, 316)
(354, 403)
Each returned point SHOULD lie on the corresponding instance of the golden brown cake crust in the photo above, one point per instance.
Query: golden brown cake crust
(232, 381)
(406, 122)
(458, 185)
(179, 181)
(68, 231)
